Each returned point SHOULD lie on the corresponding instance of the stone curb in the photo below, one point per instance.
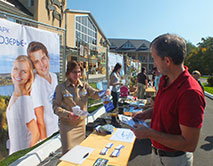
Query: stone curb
(95, 114)
(39, 154)
(209, 95)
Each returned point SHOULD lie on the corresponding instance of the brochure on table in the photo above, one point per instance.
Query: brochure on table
(132, 109)
(123, 135)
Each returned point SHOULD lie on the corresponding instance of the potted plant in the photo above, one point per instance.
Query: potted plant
(133, 77)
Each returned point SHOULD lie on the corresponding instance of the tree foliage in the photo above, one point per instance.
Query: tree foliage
(200, 57)
(210, 81)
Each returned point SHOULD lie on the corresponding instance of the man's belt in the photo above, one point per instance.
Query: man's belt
(166, 153)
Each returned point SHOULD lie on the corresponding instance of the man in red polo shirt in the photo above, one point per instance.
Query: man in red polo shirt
(177, 116)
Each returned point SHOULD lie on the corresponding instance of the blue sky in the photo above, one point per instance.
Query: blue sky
(146, 19)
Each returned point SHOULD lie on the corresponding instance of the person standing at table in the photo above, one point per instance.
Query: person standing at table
(115, 82)
(43, 89)
(70, 94)
(196, 74)
(153, 77)
(177, 117)
(157, 78)
(142, 83)
(22, 127)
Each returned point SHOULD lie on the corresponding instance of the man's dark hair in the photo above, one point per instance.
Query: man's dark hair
(154, 68)
(35, 46)
(143, 69)
(170, 45)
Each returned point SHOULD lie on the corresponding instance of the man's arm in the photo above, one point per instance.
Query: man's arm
(146, 114)
(187, 141)
(190, 115)
(39, 112)
(146, 83)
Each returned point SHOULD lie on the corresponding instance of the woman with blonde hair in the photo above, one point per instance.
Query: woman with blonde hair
(22, 126)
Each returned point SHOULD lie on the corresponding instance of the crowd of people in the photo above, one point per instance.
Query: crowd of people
(143, 82)
(38, 102)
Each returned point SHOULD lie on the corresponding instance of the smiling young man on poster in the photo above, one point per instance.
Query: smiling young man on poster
(43, 90)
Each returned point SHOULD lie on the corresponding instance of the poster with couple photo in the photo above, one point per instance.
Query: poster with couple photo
(29, 62)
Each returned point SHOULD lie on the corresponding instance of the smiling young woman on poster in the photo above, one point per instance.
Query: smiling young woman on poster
(22, 127)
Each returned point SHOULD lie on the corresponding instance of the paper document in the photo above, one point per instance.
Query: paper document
(123, 135)
(77, 111)
(77, 154)
(130, 122)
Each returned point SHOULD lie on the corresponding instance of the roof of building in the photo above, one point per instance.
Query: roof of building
(128, 45)
(93, 19)
(21, 7)
(6, 6)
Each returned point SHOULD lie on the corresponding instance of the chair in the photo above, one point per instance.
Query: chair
(124, 91)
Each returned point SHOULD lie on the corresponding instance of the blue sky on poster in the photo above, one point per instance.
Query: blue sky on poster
(15, 39)
(146, 19)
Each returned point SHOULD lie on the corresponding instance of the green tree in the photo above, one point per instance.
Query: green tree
(207, 54)
(200, 57)
(189, 47)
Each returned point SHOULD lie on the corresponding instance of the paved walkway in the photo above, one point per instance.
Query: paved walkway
(204, 152)
(203, 156)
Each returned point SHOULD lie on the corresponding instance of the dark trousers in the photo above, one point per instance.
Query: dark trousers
(115, 97)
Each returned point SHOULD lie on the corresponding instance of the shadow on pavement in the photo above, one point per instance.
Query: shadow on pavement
(141, 147)
(208, 146)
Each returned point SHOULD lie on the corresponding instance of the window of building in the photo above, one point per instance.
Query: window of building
(151, 59)
(143, 47)
(31, 3)
(85, 31)
(61, 37)
(142, 58)
(127, 45)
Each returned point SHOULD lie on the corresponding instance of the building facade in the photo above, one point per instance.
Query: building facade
(134, 49)
(85, 36)
(83, 41)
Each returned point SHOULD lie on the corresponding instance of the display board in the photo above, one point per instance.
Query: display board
(29, 62)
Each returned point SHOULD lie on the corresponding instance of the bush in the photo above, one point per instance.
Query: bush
(3, 126)
(210, 80)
